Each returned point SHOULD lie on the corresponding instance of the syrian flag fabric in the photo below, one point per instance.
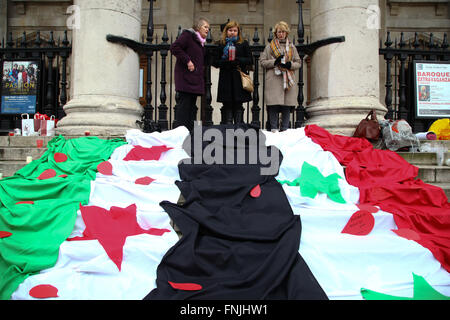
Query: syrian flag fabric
(39, 204)
(375, 253)
(354, 241)
(119, 234)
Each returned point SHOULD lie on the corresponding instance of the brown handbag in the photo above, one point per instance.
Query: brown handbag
(368, 128)
(247, 83)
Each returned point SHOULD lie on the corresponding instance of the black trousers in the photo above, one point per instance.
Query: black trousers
(273, 111)
(232, 111)
(186, 110)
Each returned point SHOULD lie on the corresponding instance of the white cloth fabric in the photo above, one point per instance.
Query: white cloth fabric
(342, 263)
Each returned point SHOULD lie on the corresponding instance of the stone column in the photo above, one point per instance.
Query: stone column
(105, 76)
(344, 76)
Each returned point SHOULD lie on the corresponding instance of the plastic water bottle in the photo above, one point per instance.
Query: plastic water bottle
(231, 53)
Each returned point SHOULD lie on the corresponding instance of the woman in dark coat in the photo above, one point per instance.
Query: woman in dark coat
(230, 91)
(189, 71)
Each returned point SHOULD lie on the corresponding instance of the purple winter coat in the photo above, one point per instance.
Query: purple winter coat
(188, 47)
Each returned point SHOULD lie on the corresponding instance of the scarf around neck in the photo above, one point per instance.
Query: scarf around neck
(202, 41)
(277, 50)
(229, 42)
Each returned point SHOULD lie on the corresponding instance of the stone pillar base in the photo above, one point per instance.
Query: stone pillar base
(341, 115)
(100, 115)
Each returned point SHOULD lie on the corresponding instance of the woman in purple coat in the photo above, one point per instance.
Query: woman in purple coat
(189, 76)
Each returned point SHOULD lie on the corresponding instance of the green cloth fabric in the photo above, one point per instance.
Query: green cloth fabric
(38, 229)
(311, 181)
(422, 291)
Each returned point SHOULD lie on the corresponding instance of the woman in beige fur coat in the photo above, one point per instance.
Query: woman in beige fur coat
(280, 59)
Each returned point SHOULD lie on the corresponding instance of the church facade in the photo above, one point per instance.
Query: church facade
(342, 81)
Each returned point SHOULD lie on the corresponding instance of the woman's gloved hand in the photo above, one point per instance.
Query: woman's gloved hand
(286, 65)
(278, 60)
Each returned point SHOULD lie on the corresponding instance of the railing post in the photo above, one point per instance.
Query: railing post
(300, 112)
(23, 44)
(162, 118)
(403, 111)
(49, 106)
(64, 54)
(444, 47)
(255, 107)
(208, 96)
(9, 45)
(148, 109)
(388, 57)
(432, 46)
(177, 95)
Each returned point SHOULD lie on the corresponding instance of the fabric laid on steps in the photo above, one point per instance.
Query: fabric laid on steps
(386, 179)
(235, 245)
(84, 271)
(40, 213)
(315, 254)
(344, 263)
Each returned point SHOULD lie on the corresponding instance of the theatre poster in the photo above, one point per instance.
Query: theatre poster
(432, 89)
(19, 86)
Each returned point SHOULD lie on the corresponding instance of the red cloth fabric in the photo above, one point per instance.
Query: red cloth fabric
(112, 227)
(141, 153)
(385, 179)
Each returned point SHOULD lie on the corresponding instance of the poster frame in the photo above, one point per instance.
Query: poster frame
(416, 102)
(38, 62)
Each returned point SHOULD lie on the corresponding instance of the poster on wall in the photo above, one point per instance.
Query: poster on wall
(432, 89)
(19, 86)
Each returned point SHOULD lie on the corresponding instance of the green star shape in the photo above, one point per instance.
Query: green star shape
(311, 181)
(422, 291)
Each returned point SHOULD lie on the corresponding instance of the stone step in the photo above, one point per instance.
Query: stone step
(20, 153)
(19, 141)
(434, 174)
(8, 168)
(426, 158)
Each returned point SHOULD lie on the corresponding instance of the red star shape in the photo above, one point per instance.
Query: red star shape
(112, 227)
(142, 153)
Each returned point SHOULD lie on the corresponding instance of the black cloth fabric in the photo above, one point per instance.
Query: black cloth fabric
(234, 245)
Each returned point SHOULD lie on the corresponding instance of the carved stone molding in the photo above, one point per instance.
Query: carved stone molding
(19, 7)
(205, 5)
(394, 8)
(440, 9)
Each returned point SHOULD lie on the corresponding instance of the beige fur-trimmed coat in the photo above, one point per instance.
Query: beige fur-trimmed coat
(274, 91)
